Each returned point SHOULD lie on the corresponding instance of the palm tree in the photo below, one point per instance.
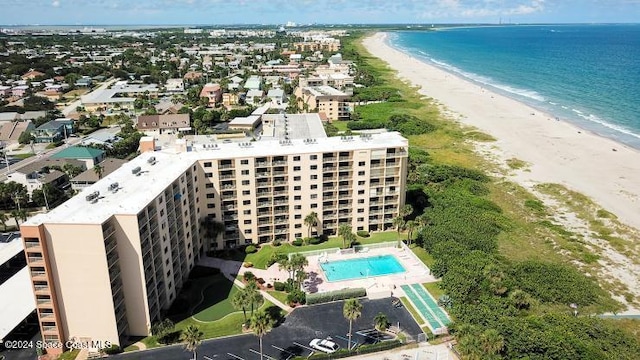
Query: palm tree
(496, 279)
(380, 322)
(406, 210)
(261, 324)
(98, 169)
(193, 338)
(298, 263)
(240, 301)
(254, 298)
(16, 215)
(491, 341)
(470, 347)
(3, 220)
(285, 264)
(345, 231)
(411, 226)
(445, 301)
(352, 310)
(398, 223)
(311, 220)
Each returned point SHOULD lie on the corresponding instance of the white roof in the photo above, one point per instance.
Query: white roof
(136, 192)
(10, 249)
(249, 120)
(16, 301)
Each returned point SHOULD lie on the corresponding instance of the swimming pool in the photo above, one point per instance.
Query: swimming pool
(361, 268)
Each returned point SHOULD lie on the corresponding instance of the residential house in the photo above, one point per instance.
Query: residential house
(5, 91)
(35, 175)
(88, 155)
(192, 76)
(54, 130)
(168, 107)
(229, 99)
(90, 176)
(276, 96)
(324, 99)
(32, 74)
(10, 131)
(84, 81)
(213, 93)
(102, 138)
(19, 91)
(254, 97)
(164, 124)
(253, 83)
(121, 95)
(174, 86)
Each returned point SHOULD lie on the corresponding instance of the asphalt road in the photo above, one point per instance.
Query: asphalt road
(292, 337)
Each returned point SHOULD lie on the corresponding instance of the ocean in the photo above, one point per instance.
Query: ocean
(588, 75)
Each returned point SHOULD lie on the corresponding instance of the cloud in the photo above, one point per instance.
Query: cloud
(55, 3)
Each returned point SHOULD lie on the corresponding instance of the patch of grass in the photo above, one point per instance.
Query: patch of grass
(131, 348)
(631, 326)
(412, 310)
(279, 295)
(150, 342)
(23, 156)
(434, 289)
(604, 214)
(340, 125)
(535, 205)
(479, 136)
(516, 164)
(422, 254)
(216, 304)
(69, 355)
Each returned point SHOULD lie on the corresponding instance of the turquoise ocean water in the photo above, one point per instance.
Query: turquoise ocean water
(588, 75)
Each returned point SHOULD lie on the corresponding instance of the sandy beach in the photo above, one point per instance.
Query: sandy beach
(556, 152)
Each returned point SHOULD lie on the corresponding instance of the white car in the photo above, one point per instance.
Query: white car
(324, 345)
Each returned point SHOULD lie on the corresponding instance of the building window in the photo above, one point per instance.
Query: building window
(247, 222)
(208, 185)
(362, 163)
(296, 158)
(313, 157)
(208, 175)
(314, 167)
(361, 219)
(361, 183)
(246, 192)
(298, 226)
(314, 186)
(244, 162)
(314, 177)
(211, 206)
(360, 211)
(297, 197)
(297, 188)
(360, 173)
(360, 201)
(297, 207)
(314, 196)
(207, 164)
(246, 212)
(298, 216)
(298, 235)
(211, 196)
(247, 231)
(245, 172)
(296, 168)
(296, 178)
(360, 192)
(246, 182)
(246, 202)
(314, 206)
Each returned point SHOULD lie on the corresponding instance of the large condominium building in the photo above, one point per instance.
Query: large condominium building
(108, 261)
(325, 99)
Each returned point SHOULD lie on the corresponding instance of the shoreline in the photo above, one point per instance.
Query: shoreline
(557, 151)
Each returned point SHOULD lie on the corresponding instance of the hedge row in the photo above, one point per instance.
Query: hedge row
(319, 298)
(363, 349)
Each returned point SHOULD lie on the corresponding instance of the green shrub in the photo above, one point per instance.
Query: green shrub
(330, 296)
(313, 240)
(249, 276)
(276, 242)
(296, 296)
(363, 233)
(275, 257)
(297, 242)
(113, 349)
(360, 350)
(250, 249)
(278, 286)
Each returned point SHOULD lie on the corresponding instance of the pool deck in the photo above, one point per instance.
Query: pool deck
(415, 272)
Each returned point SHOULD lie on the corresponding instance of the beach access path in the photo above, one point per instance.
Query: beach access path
(556, 151)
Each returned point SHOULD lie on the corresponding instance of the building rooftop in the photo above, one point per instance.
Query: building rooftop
(136, 191)
(78, 152)
(10, 246)
(16, 301)
(109, 165)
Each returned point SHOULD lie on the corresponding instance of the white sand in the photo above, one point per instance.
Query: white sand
(557, 152)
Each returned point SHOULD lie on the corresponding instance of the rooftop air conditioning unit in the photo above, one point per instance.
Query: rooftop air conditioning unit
(152, 160)
(114, 187)
(136, 170)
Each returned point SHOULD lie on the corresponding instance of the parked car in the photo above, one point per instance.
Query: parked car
(324, 345)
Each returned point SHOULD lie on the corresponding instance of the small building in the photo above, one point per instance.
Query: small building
(35, 175)
(253, 83)
(276, 96)
(174, 86)
(229, 99)
(213, 93)
(32, 74)
(164, 124)
(254, 97)
(246, 124)
(54, 130)
(88, 155)
(10, 131)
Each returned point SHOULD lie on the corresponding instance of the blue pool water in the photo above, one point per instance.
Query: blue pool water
(361, 268)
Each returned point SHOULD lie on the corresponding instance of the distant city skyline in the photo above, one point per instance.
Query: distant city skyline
(215, 12)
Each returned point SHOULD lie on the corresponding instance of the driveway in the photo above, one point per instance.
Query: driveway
(292, 337)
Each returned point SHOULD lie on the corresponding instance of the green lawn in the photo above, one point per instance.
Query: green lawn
(216, 304)
(261, 258)
(422, 254)
(131, 348)
(412, 310)
(341, 125)
(280, 295)
(69, 355)
(23, 156)
(434, 289)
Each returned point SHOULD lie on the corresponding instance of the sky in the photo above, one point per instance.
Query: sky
(216, 12)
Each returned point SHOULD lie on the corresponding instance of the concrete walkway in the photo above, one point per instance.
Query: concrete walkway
(229, 267)
(424, 351)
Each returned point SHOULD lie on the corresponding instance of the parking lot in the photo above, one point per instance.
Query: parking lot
(292, 337)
